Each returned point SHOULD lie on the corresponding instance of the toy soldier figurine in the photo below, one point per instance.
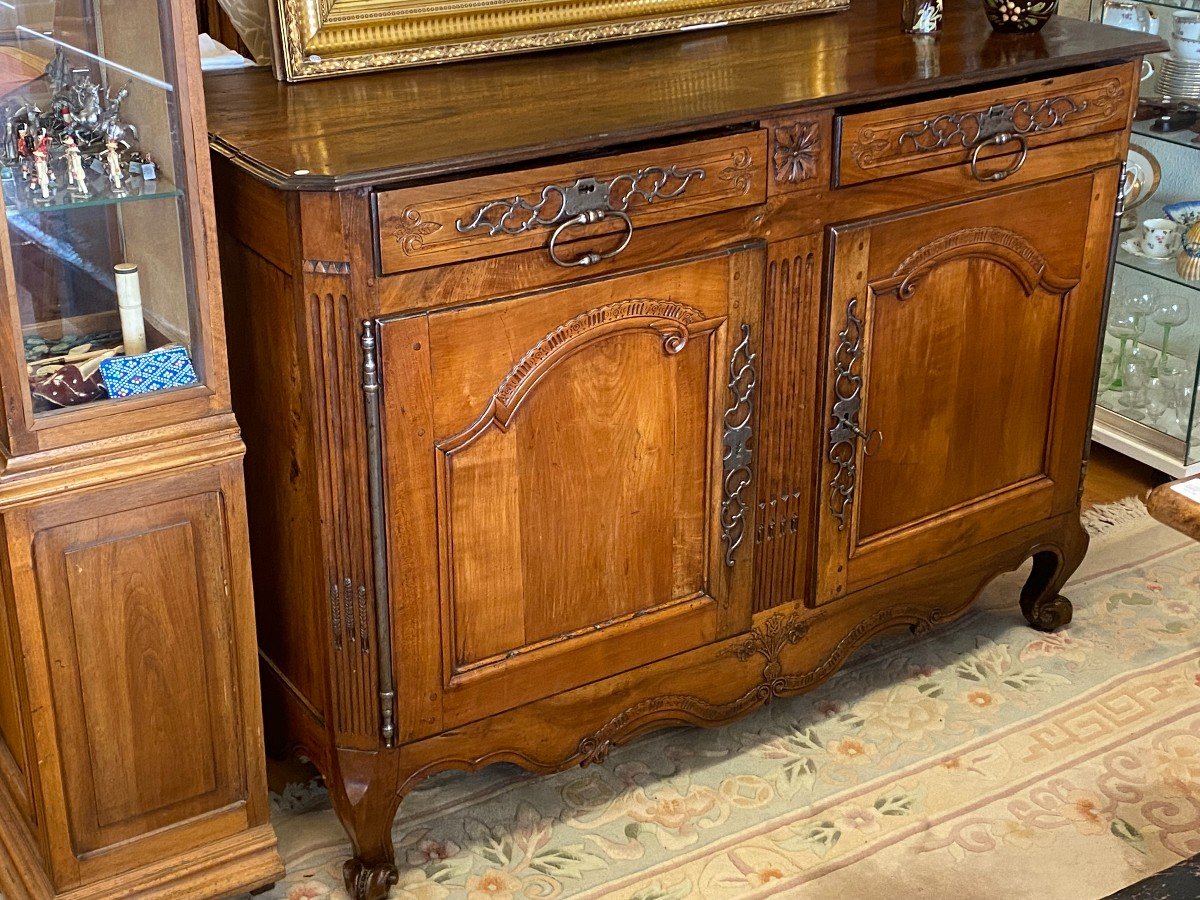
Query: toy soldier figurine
(76, 177)
(41, 165)
(112, 166)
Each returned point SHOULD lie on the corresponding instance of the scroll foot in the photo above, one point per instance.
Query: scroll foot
(1044, 607)
(1049, 613)
(365, 882)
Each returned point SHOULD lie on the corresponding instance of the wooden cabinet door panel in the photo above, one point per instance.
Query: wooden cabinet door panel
(573, 453)
(139, 625)
(14, 771)
(961, 354)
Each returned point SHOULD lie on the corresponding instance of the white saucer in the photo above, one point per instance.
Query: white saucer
(1131, 246)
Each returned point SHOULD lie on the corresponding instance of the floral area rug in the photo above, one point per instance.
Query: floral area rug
(982, 760)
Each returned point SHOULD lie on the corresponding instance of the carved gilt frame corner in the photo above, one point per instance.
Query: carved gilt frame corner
(319, 38)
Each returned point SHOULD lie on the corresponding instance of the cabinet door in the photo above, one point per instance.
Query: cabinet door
(961, 358)
(567, 486)
(143, 607)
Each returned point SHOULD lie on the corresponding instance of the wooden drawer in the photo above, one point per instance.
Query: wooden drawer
(437, 224)
(920, 136)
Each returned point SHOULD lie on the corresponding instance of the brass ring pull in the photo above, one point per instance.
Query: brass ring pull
(999, 140)
(591, 217)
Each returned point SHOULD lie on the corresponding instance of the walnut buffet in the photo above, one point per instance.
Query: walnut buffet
(633, 386)
(131, 750)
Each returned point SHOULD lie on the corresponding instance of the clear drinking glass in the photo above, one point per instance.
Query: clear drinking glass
(1134, 377)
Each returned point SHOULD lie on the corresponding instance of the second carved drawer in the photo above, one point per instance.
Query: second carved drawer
(989, 132)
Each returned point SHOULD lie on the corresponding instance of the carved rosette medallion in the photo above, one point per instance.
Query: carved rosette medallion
(412, 231)
(794, 152)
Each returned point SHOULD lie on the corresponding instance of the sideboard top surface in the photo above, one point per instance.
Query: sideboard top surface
(414, 124)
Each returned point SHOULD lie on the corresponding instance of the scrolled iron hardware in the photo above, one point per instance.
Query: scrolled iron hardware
(737, 456)
(586, 202)
(972, 129)
(999, 140)
(591, 257)
(845, 433)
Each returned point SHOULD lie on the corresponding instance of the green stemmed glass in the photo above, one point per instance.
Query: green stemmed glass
(1172, 312)
(1126, 324)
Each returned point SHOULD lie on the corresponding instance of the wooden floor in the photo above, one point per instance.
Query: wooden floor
(1113, 477)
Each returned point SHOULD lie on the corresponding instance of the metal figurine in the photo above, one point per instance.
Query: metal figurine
(10, 142)
(58, 71)
(83, 129)
(76, 176)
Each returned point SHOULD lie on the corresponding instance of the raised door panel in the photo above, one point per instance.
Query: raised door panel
(13, 758)
(961, 347)
(574, 468)
(139, 634)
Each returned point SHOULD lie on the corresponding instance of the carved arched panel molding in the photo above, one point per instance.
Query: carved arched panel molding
(999, 245)
(675, 323)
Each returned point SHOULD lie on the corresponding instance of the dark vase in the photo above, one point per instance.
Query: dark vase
(1019, 16)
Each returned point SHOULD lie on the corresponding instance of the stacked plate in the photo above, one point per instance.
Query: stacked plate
(1179, 77)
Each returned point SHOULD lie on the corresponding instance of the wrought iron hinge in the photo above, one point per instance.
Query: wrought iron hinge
(383, 621)
(735, 461)
(846, 432)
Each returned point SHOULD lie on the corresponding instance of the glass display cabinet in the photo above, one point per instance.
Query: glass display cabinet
(106, 271)
(1146, 401)
(131, 758)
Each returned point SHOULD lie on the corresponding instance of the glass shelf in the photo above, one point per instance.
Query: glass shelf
(22, 202)
(1165, 270)
(1154, 416)
(1185, 137)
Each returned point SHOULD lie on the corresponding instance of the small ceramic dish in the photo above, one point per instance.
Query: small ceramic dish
(1133, 248)
(1185, 212)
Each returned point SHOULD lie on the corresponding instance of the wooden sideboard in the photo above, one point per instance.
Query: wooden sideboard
(591, 392)
(131, 737)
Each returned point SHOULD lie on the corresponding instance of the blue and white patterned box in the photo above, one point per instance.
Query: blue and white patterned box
(158, 370)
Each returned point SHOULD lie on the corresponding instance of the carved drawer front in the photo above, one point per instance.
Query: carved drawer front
(989, 131)
(605, 200)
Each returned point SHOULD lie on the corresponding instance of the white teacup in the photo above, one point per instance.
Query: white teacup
(1160, 238)
(1187, 25)
(1186, 48)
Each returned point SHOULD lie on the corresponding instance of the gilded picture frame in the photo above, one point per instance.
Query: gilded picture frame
(319, 38)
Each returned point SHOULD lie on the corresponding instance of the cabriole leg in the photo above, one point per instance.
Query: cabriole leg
(366, 803)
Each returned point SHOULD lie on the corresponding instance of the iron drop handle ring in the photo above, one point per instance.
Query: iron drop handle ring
(590, 217)
(999, 140)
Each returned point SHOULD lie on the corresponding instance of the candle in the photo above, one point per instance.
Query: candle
(129, 303)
